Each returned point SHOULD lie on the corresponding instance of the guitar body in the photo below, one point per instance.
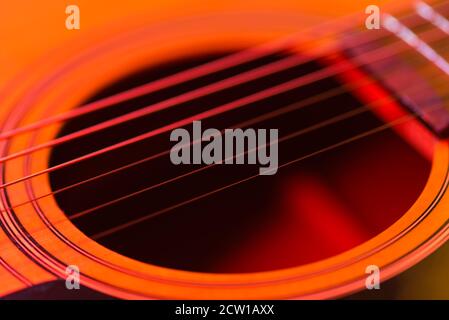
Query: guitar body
(395, 185)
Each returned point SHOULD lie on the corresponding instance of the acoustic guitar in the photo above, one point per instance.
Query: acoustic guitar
(358, 94)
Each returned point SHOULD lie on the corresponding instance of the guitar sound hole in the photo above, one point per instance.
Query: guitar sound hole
(308, 211)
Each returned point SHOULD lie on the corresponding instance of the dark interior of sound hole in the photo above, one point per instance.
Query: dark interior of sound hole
(308, 211)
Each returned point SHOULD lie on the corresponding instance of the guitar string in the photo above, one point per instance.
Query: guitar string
(210, 67)
(284, 87)
(177, 100)
(319, 125)
(171, 102)
(217, 65)
(266, 70)
(284, 164)
(333, 120)
(300, 132)
(294, 106)
(168, 209)
(401, 120)
(381, 128)
(289, 108)
(344, 142)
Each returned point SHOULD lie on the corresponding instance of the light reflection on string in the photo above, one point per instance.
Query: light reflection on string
(430, 14)
(408, 36)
